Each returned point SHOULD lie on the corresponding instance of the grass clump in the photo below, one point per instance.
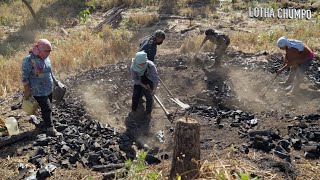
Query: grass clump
(139, 20)
(138, 169)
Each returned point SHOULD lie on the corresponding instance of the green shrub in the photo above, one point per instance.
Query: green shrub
(137, 169)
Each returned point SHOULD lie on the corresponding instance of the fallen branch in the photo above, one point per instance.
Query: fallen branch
(189, 29)
(16, 138)
(108, 167)
(163, 17)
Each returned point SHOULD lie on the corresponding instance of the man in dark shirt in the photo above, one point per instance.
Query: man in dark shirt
(149, 45)
(221, 41)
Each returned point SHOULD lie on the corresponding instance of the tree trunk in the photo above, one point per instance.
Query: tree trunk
(186, 153)
(32, 12)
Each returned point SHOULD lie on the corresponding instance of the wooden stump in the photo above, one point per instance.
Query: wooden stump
(186, 153)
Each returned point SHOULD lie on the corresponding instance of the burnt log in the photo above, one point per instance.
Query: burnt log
(268, 133)
(16, 138)
(186, 153)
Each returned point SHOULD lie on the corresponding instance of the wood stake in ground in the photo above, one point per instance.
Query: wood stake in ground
(186, 153)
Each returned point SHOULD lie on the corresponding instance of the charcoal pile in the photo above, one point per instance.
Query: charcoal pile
(306, 136)
(84, 141)
(235, 118)
(300, 137)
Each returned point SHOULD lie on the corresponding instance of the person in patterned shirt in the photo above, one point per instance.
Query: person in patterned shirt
(37, 80)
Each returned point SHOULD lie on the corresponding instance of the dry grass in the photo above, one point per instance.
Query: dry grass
(10, 74)
(10, 166)
(227, 168)
(78, 173)
(265, 39)
(82, 50)
(131, 3)
(197, 12)
(7, 18)
(10, 170)
(140, 19)
(192, 44)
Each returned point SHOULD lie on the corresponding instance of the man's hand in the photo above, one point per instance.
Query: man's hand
(27, 91)
(282, 68)
(153, 91)
(147, 87)
(279, 72)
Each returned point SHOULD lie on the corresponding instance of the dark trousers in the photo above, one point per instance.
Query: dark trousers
(138, 91)
(46, 109)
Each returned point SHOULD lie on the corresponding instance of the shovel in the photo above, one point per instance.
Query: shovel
(200, 48)
(169, 115)
(175, 100)
(269, 85)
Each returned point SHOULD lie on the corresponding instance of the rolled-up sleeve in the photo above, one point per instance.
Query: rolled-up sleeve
(153, 75)
(26, 70)
(135, 78)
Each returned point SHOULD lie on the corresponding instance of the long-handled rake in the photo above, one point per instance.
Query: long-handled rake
(198, 50)
(268, 87)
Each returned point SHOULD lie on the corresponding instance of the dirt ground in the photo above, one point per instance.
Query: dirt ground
(108, 99)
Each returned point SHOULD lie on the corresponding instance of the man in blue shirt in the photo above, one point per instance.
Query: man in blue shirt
(38, 82)
(149, 45)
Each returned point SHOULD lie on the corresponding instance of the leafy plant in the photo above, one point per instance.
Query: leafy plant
(270, 36)
(232, 150)
(4, 21)
(85, 14)
(246, 176)
(137, 168)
